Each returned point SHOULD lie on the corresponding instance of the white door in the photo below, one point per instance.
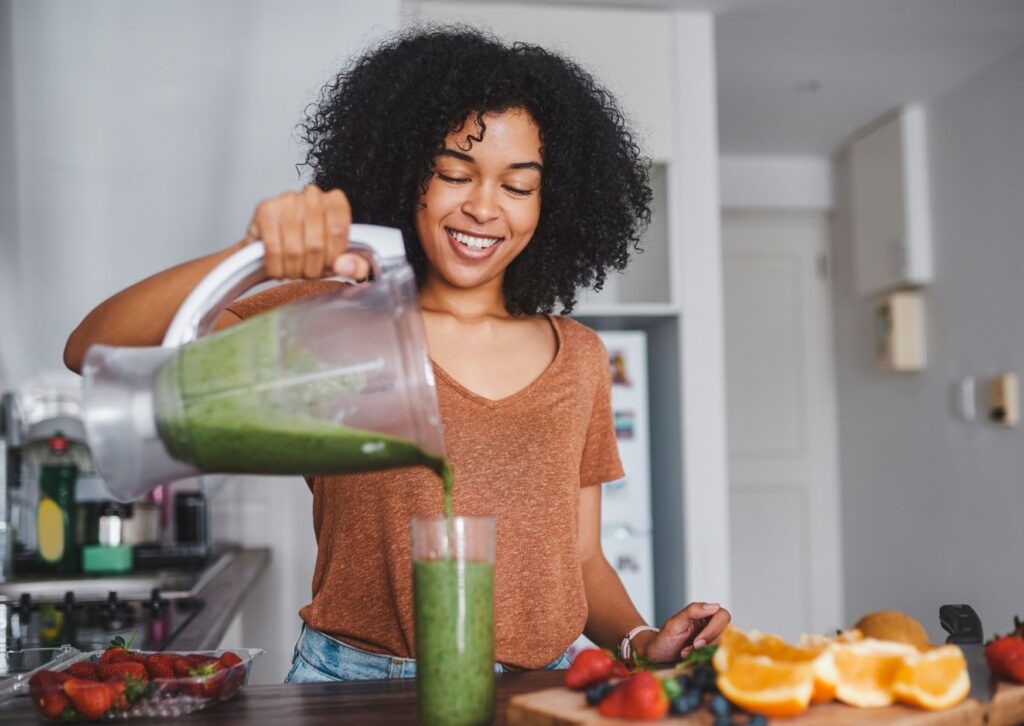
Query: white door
(783, 481)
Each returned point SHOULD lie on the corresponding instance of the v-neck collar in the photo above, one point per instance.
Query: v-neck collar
(511, 398)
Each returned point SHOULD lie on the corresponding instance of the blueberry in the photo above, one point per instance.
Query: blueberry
(720, 706)
(688, 702)
(757, 720)
(685, 682)
(704, 678)
(597, 692)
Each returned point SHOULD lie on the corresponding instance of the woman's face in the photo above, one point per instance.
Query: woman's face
(483, 202)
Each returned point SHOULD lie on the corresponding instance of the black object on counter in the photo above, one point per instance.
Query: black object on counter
(190, 521)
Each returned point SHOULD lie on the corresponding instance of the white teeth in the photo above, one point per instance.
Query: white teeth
(477, 243)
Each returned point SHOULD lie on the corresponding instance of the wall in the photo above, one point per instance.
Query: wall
(145, 134)
(775, 182)
(932, 506)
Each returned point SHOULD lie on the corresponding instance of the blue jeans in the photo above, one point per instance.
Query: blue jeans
(319, 658)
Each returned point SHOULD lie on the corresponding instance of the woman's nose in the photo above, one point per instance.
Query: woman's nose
(481, 204)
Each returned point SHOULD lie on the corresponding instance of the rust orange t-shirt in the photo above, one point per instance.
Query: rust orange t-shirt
(521, 459)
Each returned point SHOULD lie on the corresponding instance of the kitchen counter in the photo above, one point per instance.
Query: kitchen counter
(222, 596)
(354, 702)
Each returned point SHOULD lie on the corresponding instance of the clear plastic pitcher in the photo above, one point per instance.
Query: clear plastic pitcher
(336, 383)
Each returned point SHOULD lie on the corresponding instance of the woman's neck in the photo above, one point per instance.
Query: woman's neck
(483, 301)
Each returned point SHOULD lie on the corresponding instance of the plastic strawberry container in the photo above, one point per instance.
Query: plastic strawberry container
(159, 698)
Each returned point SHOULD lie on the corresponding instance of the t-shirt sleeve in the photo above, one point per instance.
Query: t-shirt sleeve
(283, 294)
(601, 463)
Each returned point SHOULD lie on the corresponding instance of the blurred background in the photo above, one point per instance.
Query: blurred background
(826, 324)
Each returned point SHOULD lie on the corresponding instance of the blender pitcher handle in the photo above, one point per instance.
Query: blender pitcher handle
(245, 268)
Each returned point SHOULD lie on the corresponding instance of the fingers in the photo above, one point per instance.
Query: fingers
(314, 232)
(304, 233)
(337, 218)
(714, 627)
(353, 266)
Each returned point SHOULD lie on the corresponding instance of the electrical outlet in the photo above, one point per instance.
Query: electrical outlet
(1004, 400)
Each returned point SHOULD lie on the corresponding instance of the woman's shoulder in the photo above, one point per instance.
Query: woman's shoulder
(580, 339)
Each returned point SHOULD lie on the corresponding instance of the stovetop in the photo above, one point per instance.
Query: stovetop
(91, 625)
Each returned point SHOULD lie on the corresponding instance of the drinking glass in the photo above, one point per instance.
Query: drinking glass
(453, 594)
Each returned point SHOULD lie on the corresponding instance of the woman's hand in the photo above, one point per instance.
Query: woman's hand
(695, 626)
(306, 233)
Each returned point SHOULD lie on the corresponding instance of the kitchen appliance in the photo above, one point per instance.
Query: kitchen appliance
(626, 503)
(340, 382)
(90, 624)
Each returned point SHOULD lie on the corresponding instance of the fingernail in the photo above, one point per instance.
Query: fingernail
(711, 606)
(345, 266)
(699, 643)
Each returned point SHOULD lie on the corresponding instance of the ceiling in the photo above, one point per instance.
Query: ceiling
(800, 76)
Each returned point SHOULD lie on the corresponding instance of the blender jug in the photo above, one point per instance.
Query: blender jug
(336, 383)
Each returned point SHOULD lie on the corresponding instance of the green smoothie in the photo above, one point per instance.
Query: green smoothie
(454, 642)
(222, 406)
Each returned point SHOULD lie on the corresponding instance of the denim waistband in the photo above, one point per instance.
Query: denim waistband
(319, 657)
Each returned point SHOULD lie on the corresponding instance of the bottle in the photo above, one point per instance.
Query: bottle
(55, 514)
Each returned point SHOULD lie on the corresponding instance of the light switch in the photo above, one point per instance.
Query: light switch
(1004, 400)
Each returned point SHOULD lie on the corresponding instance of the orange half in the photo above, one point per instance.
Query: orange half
(759, 684)
(866, 671)
(934, 680)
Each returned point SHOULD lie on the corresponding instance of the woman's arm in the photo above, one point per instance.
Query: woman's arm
(612, 614)
(304, 233)
(140, 315)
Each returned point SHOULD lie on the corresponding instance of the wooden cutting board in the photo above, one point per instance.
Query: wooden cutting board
(562, 707)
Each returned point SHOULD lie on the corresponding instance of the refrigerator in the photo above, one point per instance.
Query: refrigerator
(626, 503)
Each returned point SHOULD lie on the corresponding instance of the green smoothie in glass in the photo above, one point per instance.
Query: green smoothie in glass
(453, 594)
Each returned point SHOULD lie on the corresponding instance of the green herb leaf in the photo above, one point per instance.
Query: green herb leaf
(699, 656)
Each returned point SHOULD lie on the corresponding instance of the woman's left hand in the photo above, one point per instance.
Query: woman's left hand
(695, 626)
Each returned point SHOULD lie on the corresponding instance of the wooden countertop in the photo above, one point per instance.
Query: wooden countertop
(354, 702)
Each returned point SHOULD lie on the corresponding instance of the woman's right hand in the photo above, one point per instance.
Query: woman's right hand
(305, 234)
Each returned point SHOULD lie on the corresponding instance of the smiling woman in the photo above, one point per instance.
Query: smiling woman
(515, 181)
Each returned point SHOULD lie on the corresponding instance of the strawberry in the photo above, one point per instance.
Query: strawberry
(641, 697)
(92, 699)
(211, 678)
(229, 659)
(590, 666)
(83, 669)
(118, 650)
(160, 665)
(122, 669)
(45, 688)
(181, 666)
(1005, 655)
(127, 690)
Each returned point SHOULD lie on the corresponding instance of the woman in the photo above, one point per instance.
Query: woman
(515, 182)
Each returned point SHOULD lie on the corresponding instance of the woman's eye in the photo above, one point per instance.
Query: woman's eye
(519, 192)
(451, 179)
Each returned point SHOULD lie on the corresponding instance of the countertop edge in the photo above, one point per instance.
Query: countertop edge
(222, 597)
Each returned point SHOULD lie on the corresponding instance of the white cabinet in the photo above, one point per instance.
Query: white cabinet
(890, 216)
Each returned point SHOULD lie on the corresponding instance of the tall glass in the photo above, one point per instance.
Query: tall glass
(453, 593)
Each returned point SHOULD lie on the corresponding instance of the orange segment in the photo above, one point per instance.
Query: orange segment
(735, 642)
(934, 680)
(759, 684)
(866, 671)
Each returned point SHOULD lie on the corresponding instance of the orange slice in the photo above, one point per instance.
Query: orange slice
(866, 671)
(759, 684)
(934, 680)
(735, 642)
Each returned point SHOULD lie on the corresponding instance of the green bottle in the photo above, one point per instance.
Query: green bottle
(55, 515)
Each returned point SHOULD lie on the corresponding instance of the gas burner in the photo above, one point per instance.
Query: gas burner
(92, 624)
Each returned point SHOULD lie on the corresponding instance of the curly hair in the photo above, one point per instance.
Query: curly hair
(378, 127)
